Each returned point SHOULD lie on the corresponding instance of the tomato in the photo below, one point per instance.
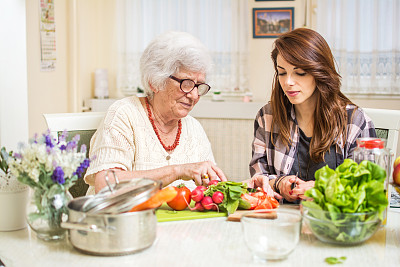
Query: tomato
(252, 200)
(264, 205)
(273, 202)
(260, 195)
(264, 201)
(182, 199)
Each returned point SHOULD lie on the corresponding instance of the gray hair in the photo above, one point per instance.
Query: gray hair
(167, 54)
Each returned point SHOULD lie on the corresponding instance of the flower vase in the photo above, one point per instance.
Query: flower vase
(13, 201)
(46, 210)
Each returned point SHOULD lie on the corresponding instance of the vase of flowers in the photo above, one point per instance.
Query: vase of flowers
(13, 197)
(49, 168)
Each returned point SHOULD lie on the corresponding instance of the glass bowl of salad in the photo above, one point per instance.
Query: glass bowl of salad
(338, 227)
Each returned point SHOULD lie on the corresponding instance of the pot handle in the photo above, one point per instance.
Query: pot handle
(83, 226)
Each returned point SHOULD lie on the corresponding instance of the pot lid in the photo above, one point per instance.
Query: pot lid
(121, 196)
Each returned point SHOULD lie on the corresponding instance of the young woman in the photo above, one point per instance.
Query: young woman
(309, 122)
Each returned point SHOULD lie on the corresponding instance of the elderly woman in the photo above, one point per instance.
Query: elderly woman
(154, 136)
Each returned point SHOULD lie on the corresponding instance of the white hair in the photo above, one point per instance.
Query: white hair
(167, 54)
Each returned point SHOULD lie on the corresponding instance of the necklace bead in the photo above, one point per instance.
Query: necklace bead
(178, 134)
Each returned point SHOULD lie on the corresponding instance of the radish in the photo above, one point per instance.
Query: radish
(213, 182)
(217, 197)
(202, 188)
(198, 206)
(207, 202)
(198, 194)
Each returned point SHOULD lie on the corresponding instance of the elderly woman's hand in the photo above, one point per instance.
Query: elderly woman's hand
(263, 182)
(200, 172)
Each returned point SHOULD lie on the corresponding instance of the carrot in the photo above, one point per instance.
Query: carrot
(164, 195)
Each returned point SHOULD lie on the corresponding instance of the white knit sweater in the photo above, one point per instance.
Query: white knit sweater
(125, 139)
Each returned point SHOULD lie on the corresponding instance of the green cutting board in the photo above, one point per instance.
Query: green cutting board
(166, 214)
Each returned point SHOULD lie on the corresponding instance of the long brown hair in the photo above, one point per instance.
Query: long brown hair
(308, 50)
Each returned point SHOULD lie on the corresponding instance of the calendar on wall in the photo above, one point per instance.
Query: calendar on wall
(47, 36)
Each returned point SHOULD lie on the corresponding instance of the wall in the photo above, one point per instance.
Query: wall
(47, 91)
(13, 77)
(86, 41)
(260, 63)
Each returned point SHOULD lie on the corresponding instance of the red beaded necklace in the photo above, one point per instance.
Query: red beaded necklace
(178, 134)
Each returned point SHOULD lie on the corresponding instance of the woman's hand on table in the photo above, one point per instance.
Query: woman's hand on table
(200, 172)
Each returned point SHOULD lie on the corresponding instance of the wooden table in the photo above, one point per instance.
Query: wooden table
(203, 242)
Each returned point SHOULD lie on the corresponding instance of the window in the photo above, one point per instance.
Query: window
(222, 25)
(365, 41)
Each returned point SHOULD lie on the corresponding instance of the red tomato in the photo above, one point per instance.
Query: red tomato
(273, 202)
(264, 205)
(252, 200)
(182, 199)
(264, 201)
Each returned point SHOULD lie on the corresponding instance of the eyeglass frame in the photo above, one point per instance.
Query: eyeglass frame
(180, 81)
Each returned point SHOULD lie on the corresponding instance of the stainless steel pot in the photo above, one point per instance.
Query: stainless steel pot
(109, 234)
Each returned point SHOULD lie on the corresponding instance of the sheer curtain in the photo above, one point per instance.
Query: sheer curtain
(222, 25)
(365, 41)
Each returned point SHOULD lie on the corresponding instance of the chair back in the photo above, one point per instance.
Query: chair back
(387, 125)
(85, 124)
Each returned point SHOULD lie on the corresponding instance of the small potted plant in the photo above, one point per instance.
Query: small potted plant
(13, 197)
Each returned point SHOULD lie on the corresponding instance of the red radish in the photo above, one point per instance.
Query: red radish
(197, 194)
(218, 197)
(202, 188)
(213, 182)
(198, 206)
(207, 202)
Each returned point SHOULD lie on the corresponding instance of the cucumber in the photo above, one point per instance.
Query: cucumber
(244, 205)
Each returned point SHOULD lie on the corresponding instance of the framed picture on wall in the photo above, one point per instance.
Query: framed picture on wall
(272, 22)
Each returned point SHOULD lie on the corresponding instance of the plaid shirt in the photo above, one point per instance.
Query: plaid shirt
(275, 161)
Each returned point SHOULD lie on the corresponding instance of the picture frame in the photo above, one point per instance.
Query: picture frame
(272, 22)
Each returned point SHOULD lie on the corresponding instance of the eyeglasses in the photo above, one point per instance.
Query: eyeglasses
(188, 85)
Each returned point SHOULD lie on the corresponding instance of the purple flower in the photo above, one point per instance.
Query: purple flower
(83, 148)
(49, 141)
(58, 175)
(63, 136)
(84, 165)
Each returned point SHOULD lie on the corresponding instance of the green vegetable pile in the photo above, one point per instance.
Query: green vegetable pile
(351, 188)
(231, 191)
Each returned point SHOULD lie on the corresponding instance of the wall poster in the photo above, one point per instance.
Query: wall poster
(47, 30)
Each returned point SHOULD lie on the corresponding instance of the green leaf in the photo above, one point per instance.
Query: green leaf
(334, 260)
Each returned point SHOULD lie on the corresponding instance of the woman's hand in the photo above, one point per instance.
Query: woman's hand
(301, 188)
(200, 172)
(263, 182)
(285, 187)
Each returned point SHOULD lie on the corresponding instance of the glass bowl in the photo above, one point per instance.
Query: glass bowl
(271, 234)
(340, 228)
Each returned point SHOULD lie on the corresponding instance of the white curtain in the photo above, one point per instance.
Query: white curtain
(222, 25)
(364, 36)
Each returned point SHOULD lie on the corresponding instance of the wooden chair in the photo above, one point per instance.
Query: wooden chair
(85, 124)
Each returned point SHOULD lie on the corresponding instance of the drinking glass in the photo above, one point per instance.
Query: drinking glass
(271, 234)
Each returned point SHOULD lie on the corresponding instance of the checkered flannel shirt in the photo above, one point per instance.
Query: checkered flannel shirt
(275, 161)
